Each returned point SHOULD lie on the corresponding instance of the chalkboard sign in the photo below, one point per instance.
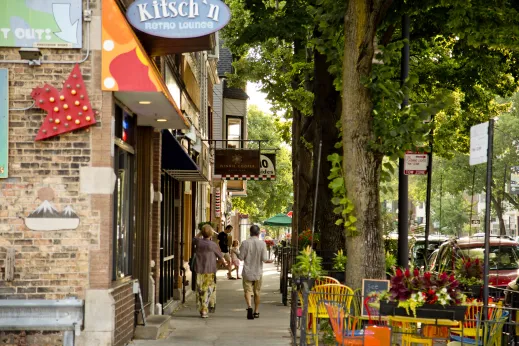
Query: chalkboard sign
(372, 286)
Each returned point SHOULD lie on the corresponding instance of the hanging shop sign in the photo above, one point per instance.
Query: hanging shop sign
(4, 122)
(239, 163)
(68, 109)
(178, 19)
(218, 202)
(41, 23)
(514, 180)
(415, 163)
(268, 167)
(267, 170)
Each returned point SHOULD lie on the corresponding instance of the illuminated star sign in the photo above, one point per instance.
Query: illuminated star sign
(67, 110)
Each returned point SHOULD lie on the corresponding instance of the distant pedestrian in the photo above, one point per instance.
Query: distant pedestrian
(253, 253)
(224, 240)
(207, 252)
(235, 251)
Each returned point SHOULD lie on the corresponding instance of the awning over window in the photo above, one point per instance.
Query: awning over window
(129, 72)
(176, 161)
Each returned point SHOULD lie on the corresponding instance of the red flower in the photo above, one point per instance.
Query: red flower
(398, 272)
(416, 273)
(407, 273)
(427, 276)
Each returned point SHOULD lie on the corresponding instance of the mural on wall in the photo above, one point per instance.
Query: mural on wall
(41, 23)
(68, 109)
(47, 218)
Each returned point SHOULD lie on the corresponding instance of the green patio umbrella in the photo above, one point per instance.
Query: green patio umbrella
(279, 220)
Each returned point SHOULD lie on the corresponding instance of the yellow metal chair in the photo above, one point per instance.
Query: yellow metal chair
(483, 333)
(329, 292)
(410, 332)
(324, 280)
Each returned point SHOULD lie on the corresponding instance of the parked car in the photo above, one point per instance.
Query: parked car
(417, 251)
(503, 257)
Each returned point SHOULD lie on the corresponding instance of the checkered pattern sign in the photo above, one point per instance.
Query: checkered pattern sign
(249, 177)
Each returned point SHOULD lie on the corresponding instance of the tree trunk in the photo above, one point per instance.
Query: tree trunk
(499, 213)
(302, 173)
(326, 112)
(361, 165)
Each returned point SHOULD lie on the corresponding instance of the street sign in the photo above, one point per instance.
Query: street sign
(475, 223)
(514, 180)
(478, 144)
(415, 163)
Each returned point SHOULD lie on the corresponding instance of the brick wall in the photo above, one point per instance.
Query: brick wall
(53, 264)
(124, 314)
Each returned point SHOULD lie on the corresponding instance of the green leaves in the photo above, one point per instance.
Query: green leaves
(344, 205)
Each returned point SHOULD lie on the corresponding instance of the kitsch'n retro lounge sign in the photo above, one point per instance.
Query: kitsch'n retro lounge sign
(178, 19)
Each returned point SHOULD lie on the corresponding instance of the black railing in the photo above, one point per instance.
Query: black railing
(287, 257)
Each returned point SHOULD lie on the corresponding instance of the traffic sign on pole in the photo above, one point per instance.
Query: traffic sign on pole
(415, 163)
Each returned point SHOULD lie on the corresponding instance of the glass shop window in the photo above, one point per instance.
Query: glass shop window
(124, 167)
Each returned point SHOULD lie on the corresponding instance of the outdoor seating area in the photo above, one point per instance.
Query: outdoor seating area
(332, 314)
(412, 308)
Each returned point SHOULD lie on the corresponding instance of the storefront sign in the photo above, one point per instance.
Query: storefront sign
(4, 122)
(241, 162)
(178, 19)
(218, 202)
(41, 23)
(68, 109)
(268, 167)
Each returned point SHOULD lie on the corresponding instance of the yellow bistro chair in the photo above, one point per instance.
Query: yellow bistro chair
(329, 292)
(323, 280)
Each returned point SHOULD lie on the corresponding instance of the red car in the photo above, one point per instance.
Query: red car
(503, 258)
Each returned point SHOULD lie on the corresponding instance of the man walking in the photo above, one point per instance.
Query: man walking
(223, 241)
(253, 252)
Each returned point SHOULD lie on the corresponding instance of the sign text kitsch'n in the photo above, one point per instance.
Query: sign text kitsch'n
(178, 19)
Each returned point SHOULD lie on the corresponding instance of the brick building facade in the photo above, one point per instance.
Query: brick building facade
(139, 180)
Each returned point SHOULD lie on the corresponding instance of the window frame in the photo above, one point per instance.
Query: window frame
(242, 130)
(121, 147)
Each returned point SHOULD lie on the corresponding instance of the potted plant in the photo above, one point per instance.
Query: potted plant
(390, 262)
(427, 295)
(339, 266)
(305, 239)
(308, 267)
(270, 244)
(469, 273)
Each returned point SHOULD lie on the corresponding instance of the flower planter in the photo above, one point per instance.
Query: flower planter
(452, 312)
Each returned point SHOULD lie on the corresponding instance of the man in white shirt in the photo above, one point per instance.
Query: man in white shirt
(253, 253)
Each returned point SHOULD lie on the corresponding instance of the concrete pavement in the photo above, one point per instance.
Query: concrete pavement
(229, 325)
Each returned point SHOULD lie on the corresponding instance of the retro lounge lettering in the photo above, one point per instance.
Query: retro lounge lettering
(178, 19)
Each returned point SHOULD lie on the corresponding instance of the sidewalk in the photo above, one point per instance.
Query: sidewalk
(229, 325)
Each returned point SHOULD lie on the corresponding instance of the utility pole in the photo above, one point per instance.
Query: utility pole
(403, 182)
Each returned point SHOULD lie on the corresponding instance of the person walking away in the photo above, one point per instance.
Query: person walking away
(234, 257)
(253, 253)
(224, 241)
(207, 252)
